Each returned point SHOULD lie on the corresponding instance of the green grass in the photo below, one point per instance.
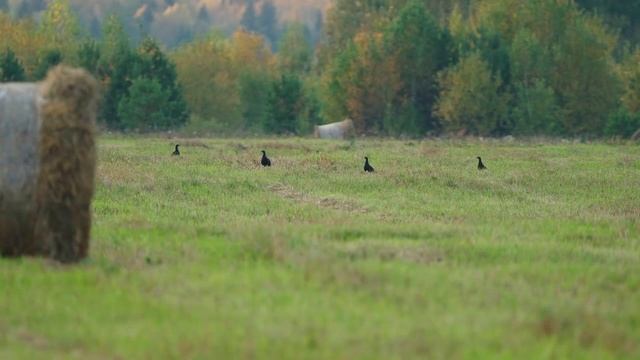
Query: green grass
(209, 256)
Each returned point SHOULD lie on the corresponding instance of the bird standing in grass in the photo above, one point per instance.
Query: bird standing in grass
(481, 165)
(367, 166)
(176, 152)
(265, 160)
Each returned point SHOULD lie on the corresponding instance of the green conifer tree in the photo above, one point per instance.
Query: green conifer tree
(10, 67)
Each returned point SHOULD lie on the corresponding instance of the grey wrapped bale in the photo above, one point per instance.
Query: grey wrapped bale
(19, 131)
(339, 130)
(47, 165)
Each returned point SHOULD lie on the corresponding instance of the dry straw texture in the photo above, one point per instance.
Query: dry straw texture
(60, 223)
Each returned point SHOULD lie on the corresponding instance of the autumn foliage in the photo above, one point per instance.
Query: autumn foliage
(396, 67)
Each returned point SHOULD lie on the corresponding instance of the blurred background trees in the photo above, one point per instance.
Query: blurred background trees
(11, 69)
(396, 67)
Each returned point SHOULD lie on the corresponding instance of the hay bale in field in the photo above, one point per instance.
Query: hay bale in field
(338, 130)
(47, 165)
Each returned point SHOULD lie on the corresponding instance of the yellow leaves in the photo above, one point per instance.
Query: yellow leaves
(206, 70)
(250, 50)
(23, 38)
(211, 70)
(470, 98)
(369, 81)
(456, 23)
(363, 38)
(60, 25)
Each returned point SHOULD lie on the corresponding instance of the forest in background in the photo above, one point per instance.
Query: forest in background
(174, 22)
(396, 67)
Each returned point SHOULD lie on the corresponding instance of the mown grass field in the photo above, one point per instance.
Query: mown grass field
(210, 256)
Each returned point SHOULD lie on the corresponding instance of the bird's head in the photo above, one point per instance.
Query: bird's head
(478, 157)
(264, 152)
(177, 146)
(366, 158)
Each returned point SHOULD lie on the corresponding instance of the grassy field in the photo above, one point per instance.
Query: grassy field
(210, 256)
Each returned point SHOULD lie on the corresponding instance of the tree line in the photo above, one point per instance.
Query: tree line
(174, 22)
(395, 67)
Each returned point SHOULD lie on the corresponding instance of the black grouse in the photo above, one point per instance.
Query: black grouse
(481, 165)
(367, 167)
(265, 160)
(176, 152)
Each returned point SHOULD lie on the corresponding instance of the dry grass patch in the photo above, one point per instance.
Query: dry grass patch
(368, 250)
(289, 193)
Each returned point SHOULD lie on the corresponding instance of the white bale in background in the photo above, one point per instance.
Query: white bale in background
(339, 130)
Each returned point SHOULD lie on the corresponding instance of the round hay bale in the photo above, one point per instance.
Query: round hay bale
(338, 130)
(47, 165)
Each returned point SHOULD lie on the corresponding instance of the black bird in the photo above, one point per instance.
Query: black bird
(265, 160)
(367, 167)
(176, 151)
(481, 165)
